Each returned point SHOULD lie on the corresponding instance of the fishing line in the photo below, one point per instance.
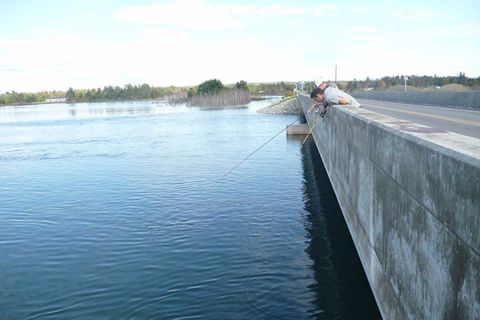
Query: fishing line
(255, 151)
(217, 180)
(258, 149)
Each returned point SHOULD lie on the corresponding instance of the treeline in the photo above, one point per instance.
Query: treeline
(109, 93)
(128, 92)
(275, 88)
(280, 88)
(26, 98)
(145, 91)
(182, 94)
(415, 81)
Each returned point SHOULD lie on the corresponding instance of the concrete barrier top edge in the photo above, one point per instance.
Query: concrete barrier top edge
(459, 146)
(454, 144)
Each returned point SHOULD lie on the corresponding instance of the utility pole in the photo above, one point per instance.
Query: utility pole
(335, 73)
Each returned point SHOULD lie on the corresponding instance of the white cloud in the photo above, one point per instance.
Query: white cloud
(289, 10)
(377, 60)
(184, 42)
(415, 15)
(164, 35)
(445, 33)
(186, 13)
(158, 57)
(56, 62)
(204, 15)
(364, 29)
(467, 29)
(362, 10)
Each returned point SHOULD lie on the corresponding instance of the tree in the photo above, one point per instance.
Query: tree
(462, 79)
(241, 85)
(381, 84)
(210, 87)
(108, 93)
(191, 92)
(144, 91)
(70, 95)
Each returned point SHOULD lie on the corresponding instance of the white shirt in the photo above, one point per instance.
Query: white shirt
(333, 96)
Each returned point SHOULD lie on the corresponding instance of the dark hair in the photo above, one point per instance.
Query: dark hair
(315, 92)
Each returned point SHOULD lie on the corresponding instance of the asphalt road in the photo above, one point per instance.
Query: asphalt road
(466, 122)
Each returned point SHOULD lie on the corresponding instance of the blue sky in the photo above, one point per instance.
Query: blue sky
(46, 45)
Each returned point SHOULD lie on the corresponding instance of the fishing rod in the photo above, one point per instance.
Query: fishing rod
(311, 130)
(319, 115)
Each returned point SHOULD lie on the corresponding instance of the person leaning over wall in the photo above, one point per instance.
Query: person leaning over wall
(320, 102)
(325, 95)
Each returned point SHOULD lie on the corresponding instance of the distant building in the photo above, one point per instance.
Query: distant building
(55, 99)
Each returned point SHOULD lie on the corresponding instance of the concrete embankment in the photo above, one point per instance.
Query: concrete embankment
(298, 129)
(288, 105)
(410, 196)
(467, 100)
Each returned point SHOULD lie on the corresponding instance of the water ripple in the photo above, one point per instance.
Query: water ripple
(124, 211)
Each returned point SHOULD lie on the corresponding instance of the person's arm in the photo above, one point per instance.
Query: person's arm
(343, 101)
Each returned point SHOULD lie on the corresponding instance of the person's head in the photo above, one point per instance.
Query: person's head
(317, 95)
(323, 85)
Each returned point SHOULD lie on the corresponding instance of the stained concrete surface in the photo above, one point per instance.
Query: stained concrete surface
(410, 197)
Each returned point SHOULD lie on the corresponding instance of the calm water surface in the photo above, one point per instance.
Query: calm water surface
(118, 211)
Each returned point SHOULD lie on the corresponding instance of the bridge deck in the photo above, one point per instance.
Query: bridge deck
(466, 122)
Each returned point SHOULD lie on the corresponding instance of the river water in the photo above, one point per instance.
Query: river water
(131, 210)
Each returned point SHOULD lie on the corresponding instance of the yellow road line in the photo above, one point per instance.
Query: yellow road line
(472, 123)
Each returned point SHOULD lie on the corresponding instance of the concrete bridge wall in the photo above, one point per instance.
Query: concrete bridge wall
(467, 100)
(410, 195)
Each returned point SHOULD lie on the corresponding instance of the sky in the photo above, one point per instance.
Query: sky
(54, 45)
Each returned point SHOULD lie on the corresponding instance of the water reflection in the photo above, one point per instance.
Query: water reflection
(223, 108)
(340, 279)
(62, 111)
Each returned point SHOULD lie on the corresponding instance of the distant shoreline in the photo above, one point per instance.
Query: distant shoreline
(253, 97)
(26, 104)
(77, 102)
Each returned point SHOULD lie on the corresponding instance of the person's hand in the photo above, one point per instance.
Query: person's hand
(323, 111)
(312, 107)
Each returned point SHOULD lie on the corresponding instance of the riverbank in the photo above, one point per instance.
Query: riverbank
(287, 105)
(77, 102)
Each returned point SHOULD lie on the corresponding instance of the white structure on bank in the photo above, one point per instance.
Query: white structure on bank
(55, 99)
